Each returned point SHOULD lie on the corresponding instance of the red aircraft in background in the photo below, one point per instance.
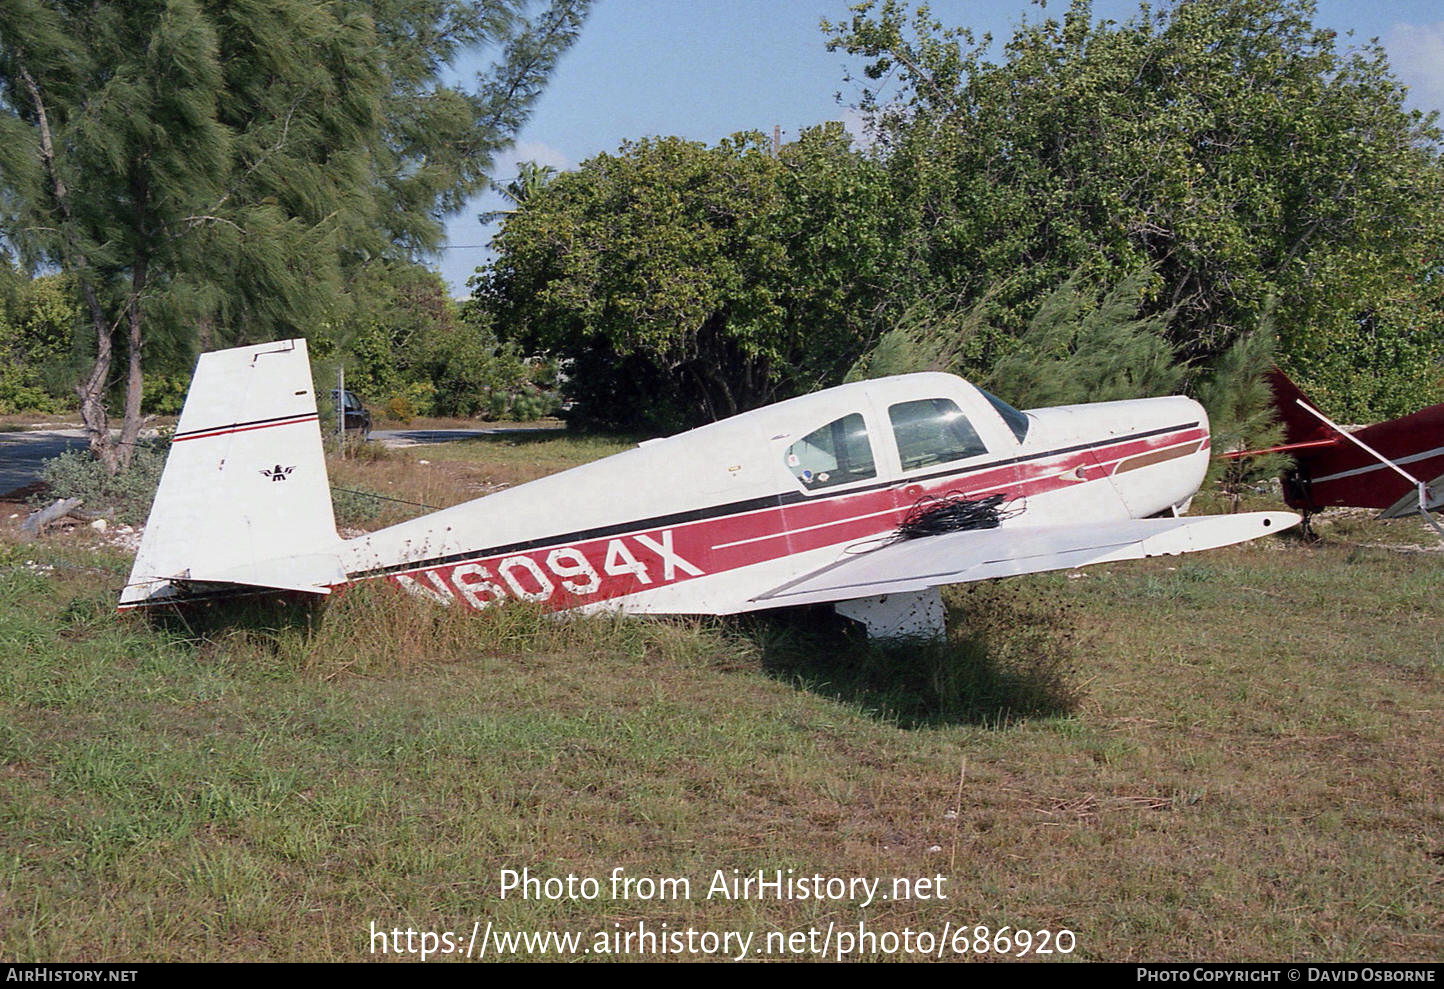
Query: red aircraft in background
(1395, 466)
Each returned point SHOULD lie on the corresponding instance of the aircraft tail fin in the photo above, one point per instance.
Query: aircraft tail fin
(1299, 426)
(244, 499)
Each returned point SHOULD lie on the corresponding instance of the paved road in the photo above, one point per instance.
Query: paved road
(21, 454)
(421, 437)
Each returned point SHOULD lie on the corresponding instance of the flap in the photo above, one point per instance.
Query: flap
(960, 557)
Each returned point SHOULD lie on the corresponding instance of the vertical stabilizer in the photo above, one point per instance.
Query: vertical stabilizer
(1299, 426)
(244, 498)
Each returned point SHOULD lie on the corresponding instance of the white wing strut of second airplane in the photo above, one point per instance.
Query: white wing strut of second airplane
(801, 502)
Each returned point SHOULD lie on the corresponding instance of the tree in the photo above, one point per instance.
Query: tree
(37, 323)
(531, 178)
(684, 283)
(94, 192)
(1228, 146)
(212, 173)
(1085, 343)
(410, 347)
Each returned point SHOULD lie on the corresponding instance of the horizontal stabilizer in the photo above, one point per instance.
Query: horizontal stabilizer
(961, 557)
(1409, 504)
(314, 574)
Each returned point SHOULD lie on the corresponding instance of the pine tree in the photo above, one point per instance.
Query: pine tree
(211, 173)
(1083, 343)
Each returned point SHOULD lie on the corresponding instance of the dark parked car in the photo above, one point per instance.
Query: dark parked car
(358, 420)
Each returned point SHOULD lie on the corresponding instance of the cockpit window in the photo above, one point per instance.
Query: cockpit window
(1017, 421)
(835, 454)
(933, 431)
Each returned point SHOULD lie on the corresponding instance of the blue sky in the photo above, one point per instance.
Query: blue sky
(704, 69)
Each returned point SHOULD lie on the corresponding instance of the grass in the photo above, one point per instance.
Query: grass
(1228, 756)
(1009, 655)
(21, 421)
(517, 457)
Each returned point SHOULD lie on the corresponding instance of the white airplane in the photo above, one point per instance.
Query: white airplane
(797, 503)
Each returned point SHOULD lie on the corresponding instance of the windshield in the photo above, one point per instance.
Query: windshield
(1017, 421)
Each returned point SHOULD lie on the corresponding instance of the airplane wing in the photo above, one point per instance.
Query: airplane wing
(961, 557)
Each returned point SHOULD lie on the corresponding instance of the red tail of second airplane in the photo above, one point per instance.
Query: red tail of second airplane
(1333, 469)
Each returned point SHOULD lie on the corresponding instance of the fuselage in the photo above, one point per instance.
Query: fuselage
(1345, 474)
(705, 521)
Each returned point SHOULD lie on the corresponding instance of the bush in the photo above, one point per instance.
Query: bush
(528, 405)
(123, 497)
(19, 392)
(533, 405)
(36, 321)
(410, 401)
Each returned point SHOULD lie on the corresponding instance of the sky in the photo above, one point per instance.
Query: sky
(705, 69)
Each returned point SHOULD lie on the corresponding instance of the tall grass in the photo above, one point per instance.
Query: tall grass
(1011, 652)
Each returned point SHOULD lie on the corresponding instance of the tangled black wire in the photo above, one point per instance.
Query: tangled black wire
(955, 512)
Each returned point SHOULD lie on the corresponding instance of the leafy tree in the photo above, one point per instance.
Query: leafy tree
(478, 374)
(37, 324)
(393, 308)
(211, 173)
(1228, 146)
(407, 345)
(683, 283)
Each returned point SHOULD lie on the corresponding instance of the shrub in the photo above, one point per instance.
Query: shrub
(412, 401)
(164, 394)
(123, 497)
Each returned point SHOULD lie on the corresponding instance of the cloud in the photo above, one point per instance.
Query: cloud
(856, 124)
(1416, 52)
(542, 154)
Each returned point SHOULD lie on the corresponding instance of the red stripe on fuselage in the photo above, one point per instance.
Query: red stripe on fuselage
(569, 575)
